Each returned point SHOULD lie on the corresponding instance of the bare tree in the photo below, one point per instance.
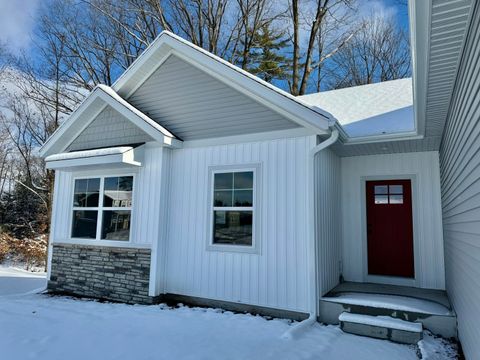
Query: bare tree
(303, 63)
(378, 52)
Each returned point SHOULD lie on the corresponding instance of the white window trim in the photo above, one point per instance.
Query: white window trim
(100, 209)
(256, 208)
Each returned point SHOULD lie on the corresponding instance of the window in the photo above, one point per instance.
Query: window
(233, 208)
(105, 217)
(388, 194)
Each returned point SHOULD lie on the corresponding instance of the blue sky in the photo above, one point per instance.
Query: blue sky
(18, 18)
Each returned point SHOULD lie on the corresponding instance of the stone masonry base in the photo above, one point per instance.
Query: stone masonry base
(110, 273)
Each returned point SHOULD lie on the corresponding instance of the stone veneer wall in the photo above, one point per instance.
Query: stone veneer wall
(112, 273)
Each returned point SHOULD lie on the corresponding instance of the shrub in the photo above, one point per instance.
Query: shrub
(31, 252)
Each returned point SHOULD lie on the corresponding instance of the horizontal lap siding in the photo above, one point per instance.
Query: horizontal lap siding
(277, 277)
(328, 218)
(460, 176)
(424, 166)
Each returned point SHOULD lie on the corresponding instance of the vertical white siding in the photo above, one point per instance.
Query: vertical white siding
(427, 220)
(277, 276)
(148, 197)
(62, 206)
(460, 177)
(328, 219)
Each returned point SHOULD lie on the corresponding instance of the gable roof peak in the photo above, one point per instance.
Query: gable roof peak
(279, 100)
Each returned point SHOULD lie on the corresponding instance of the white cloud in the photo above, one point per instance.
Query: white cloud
(379, 8)
(17, 20)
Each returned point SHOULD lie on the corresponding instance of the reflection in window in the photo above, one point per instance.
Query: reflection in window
(86, 192)
(233, 208)
(116, 225)
(117, 198)
(84, 224)
(381, 199)
(388, 194)
(118, 191)
(232, 227)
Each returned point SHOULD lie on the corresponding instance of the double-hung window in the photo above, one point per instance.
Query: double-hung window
(233, 208)
(102, 208)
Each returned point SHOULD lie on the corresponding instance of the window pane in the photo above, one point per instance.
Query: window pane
(118, 191)
(243, 180)
(86, 192)
(396, 199)
(243, 198)
(84, 224)
(381, 189)
(223, 198)
(80, 193)
(381, 199)
(116, 225)
(232, 228)
(396, 189)
(223, 181)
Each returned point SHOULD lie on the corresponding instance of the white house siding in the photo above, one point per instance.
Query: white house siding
(328, 218)
(427, 218)
(62, 205)
(148, 197)
(460, 179)
(276, 277)
(109, 128)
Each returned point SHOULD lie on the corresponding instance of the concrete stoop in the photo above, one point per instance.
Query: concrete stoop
(381, 327)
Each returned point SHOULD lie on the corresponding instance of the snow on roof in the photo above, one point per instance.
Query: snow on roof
(374, 109)
(88, 153)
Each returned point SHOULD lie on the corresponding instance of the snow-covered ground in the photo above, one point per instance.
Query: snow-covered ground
(36, 326)
(15, 280)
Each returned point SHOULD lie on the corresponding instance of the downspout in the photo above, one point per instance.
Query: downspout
(312, 245)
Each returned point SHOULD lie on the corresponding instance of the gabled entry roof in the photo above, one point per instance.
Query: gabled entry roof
(99, 99)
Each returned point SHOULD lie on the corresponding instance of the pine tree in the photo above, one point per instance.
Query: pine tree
(266, 59)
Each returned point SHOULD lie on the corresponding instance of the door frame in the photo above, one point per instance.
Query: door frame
(391, 280)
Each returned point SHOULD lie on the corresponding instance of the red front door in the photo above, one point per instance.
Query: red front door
(390, 228)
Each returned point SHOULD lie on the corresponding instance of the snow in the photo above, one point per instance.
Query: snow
(393, 302)
(18, 281)
(373, 109)
(381, 321)
(45, 327)
(88, 153)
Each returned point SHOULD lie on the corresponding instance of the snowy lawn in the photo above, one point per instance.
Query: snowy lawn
(35, 326)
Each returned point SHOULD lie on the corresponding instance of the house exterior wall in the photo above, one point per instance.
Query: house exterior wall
(276, 276)
(423, 169)
(327, 170)
(119, 274)
(460, 180)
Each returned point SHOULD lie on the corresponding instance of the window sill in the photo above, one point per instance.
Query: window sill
(104, 243)
(234, 248)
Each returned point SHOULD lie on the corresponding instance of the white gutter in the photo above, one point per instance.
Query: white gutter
(312, 246)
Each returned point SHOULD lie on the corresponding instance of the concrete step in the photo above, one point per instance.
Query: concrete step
(381, 327)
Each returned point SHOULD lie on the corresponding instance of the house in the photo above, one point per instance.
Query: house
(192, 180)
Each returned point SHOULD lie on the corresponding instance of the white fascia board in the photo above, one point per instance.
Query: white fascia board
(115, 157)
(271, 96)
(420, 18)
